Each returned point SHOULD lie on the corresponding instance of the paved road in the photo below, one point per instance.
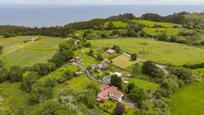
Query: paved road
(87, 72)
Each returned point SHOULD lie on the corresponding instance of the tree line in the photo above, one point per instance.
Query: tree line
(97, 24)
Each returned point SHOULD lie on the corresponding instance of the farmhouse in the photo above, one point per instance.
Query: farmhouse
(110, 51)
(110, 92)
(103, 65)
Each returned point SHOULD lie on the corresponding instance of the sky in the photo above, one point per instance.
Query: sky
(101, 2)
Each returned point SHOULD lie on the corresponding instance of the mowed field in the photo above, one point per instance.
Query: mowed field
(188, 100)
(158, 51)
(17, 52)
(122, 61)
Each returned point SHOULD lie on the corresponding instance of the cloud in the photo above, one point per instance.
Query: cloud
(175, 2)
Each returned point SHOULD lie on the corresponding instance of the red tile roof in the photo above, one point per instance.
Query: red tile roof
(109, 92)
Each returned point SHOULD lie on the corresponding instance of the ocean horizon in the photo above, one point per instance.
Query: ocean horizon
(58, 15)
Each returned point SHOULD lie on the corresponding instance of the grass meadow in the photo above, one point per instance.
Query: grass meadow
(122, 61)
(153, 23)
(17, 52)
(158, 51)
(12, 98)
(188, 100)
(143, 84)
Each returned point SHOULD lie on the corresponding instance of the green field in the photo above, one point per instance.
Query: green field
(118, 24)
(188, 100)
(153, 23)
(158, 51)
(16, 52)
(12, 99)
(144, 84)
(122, 61)
(168, 31)
(199, 71)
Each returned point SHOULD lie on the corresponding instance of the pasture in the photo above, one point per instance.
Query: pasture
(21, 53)
(12, 98)
(158, 51)
(188, 100)
(118, 24)
(153, 23)
(122, 61)
(156, 31)
(144, 84)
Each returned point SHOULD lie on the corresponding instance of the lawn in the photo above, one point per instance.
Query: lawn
(153, 23)
(12, 99)
(158, 51)
(188, 100)
(16, 52)
(144, 84)
(122, 61)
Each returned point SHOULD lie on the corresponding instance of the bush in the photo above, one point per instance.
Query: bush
(68, 74)
(29, 78)
(116, 81)
(149, 68)
(183, 74)
(89, 97)
(15, 74)
(119, 109)
(137, 95)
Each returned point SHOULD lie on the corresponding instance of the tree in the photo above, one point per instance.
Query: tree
(53, 107)
(99, 57)
(134, 57)
(116, 48)
(116, 81)
(137, 68)
(40, 93)
(28, 79)
(149, 68)
(169, 85)
(89, 97)
(15, 74)
(91, 52)
(119, 109)
(68, 74)
(130, 86)
(183, 74)
(70, 102)
(137, 95)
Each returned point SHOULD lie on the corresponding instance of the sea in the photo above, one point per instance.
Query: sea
(58, 15)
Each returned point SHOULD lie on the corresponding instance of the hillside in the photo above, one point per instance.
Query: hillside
(23, 52)
(161, 52)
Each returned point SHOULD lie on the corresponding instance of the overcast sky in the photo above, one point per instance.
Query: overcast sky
(100, 2)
